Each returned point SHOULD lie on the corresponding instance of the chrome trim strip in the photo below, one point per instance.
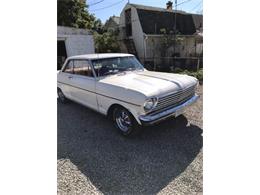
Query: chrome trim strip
(99, 94)
(150, 119)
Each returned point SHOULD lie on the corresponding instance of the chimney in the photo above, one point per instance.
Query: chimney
(169, 6)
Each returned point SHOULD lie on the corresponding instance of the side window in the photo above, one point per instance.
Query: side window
(69, 67)
(82, 67)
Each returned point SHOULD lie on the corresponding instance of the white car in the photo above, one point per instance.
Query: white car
(118, 86)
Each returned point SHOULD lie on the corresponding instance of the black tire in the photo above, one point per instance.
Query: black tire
(61, 96)
(127, 127)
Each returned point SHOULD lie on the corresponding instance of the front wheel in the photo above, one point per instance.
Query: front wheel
(125, 122)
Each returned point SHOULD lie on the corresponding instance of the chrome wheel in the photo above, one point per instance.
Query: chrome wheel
(123, 120)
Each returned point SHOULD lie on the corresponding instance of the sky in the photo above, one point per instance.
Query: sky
(103, 9)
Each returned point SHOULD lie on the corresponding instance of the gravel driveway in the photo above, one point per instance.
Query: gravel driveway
(94, 159)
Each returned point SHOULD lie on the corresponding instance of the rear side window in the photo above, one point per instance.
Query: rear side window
(82, 67)
(69, 67)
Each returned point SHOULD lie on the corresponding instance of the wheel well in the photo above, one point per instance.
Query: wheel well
(111, 109)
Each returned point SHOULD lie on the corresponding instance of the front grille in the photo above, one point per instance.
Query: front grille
(174, 99)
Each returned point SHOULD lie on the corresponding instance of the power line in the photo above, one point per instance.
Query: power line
(95, 3)
(196, 6)
(107, 6)
(184, 2)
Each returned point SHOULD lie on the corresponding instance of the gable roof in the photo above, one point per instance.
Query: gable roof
(198, 21)
(116, 19)
(113, 21)
(153, 19)
(145, 7)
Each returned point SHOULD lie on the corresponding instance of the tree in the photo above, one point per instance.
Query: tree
(73, 13)
(106, 42)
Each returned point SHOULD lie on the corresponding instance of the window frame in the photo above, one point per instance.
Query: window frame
(73, 73)
(64, 68)
(97, 76)
(90, 65)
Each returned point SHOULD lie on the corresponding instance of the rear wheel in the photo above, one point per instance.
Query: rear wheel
(125, 122)
(61, 96)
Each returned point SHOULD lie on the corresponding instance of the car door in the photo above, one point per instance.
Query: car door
(84, 82)
(64, 79)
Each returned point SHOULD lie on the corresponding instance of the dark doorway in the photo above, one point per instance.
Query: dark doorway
(62, 54)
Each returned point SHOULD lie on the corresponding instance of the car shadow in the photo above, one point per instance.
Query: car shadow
(117, 165)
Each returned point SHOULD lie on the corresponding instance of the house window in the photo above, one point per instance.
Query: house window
(128, 22)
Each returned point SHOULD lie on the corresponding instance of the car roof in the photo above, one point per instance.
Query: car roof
(100, 56)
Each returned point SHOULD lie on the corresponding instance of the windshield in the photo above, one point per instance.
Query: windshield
(108, 66)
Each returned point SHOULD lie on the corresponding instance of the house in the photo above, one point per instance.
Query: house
(145, 30)
(112, 24)
(73, 41)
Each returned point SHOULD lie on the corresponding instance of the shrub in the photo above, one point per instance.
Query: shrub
(178, 70)
(198, 74)
(106, 43)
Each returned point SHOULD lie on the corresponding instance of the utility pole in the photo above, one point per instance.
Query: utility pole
(174, 33)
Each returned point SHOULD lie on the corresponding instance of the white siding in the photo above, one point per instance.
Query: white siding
(137, 31)
(137, 34)
(77, 41)
(79, 44)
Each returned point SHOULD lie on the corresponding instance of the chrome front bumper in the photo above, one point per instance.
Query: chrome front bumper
(151, 119)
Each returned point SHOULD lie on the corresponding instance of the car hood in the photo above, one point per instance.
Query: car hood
(148, 83)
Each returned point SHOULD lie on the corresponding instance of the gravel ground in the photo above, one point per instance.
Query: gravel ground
(94, 159)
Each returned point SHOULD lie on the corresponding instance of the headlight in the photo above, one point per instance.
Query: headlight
(150, 104)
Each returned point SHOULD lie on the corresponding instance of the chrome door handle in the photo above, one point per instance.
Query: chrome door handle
(70, 77)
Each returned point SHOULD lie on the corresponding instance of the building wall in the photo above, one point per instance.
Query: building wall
(156, 55)
(149, 47)
(186, 48)
(77, 41)
(138, 35)
(79, 44)
(153, 49)
(137, 32)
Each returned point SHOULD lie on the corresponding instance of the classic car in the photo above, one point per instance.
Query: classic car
(118, 86)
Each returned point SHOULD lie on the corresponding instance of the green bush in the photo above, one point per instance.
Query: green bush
(106, 43)
(198, 74)
(178, 70)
